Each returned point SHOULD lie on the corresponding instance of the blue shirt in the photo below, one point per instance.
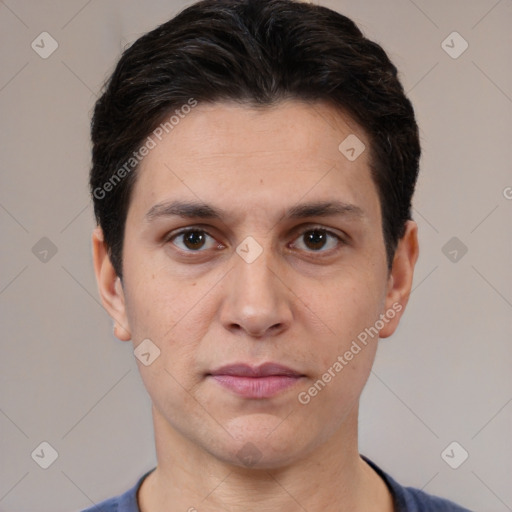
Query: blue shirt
(405, 499)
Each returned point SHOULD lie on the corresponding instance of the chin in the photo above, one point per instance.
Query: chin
(261, 443)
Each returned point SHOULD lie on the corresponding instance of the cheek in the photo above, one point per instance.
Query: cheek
(157, 303)
(171, 317)
(345, 307)
(175, 315)
(330, 398)
(345, 340)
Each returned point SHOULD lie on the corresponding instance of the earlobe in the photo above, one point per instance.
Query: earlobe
(109, 286)
(401, 278)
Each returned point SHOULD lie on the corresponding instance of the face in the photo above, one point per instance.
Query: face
(252, 239)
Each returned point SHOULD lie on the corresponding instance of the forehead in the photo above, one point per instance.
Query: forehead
(229, 130)
(233, 155)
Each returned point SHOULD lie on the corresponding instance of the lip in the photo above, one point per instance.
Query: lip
(262, 370)
(249, 381)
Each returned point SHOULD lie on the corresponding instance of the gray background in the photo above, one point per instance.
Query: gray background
(444, 376)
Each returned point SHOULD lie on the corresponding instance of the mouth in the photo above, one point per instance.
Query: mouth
(263, 381)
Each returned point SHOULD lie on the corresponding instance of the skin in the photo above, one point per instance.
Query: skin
(298, 304)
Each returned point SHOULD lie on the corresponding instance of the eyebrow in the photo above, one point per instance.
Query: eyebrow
(199, 210)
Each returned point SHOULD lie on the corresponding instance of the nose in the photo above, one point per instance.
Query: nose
(257, 300)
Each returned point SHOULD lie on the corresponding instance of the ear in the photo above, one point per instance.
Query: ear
(110, 286)
(400, 279)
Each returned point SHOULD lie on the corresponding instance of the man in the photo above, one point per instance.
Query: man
(253, 168)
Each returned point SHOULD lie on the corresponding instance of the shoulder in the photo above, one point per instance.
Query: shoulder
(126, 502)
(414, 500)
(409, 499)
(110, 505)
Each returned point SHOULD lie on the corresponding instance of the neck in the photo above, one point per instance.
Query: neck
(332, 477)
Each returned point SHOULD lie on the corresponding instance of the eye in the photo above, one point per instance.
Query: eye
(193, 240)
(318, 240)
(315, 239)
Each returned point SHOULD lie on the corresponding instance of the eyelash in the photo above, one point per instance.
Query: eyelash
(326, 231)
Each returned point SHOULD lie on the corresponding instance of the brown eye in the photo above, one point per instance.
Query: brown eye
(317, 240)
(193, 240)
